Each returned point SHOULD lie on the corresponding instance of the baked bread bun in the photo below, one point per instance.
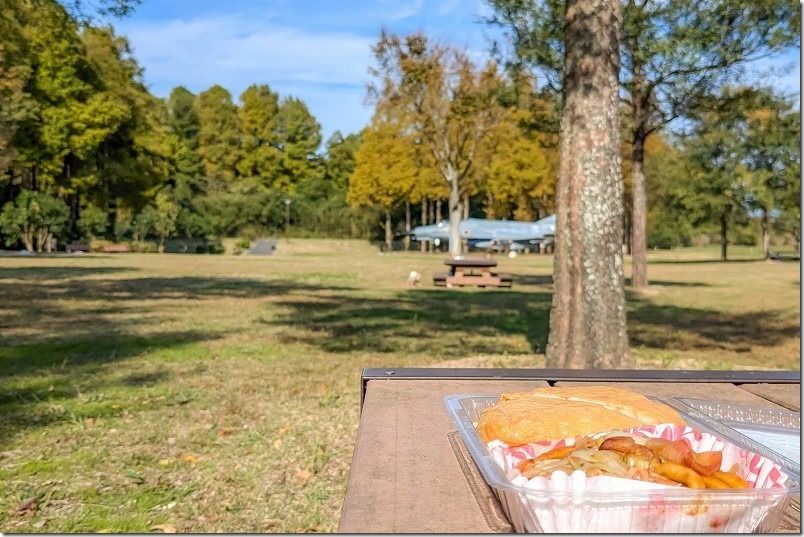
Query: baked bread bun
(555, 413)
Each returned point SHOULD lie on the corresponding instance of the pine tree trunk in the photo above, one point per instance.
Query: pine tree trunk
(766, 234)
(407, 224)
(639, 223)
(455, 215)
(587, 319)
(423, 244)
(724, 237)
(389, 236)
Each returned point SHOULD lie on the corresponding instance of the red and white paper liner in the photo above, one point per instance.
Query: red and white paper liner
(758, 471)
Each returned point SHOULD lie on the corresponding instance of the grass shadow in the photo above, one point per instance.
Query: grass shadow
(27, 274)
(38, 379)
(664, 283)
(441, 322)
(702, 261)
(668, 327)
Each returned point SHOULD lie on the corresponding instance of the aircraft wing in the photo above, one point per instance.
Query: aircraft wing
(485, 233)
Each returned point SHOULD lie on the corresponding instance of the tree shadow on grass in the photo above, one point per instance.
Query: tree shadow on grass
(701, 261)
(27, 274)
(38, 379)
(664, 283)
(68, 332)
(440, 322)
(668, 327)
(463, 323)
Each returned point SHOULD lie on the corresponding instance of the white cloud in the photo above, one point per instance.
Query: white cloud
(322, 69)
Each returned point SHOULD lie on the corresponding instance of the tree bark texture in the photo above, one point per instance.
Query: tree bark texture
(455, 214)
(389, 236)
(639, 221)
(588, 315)
(724, 237)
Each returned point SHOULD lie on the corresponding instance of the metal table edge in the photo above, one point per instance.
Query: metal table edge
(551, 376)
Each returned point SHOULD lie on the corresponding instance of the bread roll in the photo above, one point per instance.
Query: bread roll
(556, 413)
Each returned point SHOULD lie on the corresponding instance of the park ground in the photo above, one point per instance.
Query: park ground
(147, 392)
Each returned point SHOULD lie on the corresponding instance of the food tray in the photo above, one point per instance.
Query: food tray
(639, 509)
(774, 433)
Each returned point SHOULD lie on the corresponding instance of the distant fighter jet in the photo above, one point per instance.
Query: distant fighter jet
(492, 234)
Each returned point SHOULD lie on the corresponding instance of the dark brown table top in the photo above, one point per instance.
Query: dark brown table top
(410, 474)
(471, 262)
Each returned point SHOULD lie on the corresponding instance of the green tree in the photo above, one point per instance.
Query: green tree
(92, 222)
(770, 139)
(450, 104)
(672, 54)
(182, 117)
(33, 218)
(15, 103)
(167, 212)
(132, 160)
(712, 179)
(296, 135)
(219, 133)
(340, 158)
(260, 156)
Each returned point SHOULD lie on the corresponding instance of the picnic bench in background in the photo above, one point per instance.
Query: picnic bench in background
(116, 248)
(472, 271)
(70, 248)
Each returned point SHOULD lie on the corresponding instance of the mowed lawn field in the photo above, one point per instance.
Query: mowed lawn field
(147, 392)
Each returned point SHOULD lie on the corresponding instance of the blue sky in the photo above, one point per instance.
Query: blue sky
(316, 50)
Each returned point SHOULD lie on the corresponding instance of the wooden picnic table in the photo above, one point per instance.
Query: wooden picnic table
(472, 271)
(411, 472)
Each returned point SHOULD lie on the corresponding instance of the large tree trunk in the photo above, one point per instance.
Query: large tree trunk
(724, 237)
(587, 319)
(639, 222)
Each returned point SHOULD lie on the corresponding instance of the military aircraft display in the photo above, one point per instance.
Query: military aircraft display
(499, 235)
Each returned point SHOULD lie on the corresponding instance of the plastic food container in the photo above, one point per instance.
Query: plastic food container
(771, 432)
(577, 504)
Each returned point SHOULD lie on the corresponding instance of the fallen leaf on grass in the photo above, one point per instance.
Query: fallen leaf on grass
(166, 528)
(165, 462)
(303, 475)
(283, 430)
(27, 506)
(226, 431)
(104, 530)
(189, 458)
(278, 443)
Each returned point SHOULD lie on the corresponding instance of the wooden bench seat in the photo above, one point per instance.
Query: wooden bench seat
(506, 280)
(440, 279)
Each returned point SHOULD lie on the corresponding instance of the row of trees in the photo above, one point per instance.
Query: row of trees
(448, 138)
(487, 141)
(78, 126)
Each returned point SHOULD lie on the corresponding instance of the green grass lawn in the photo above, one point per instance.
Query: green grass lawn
(221, 393)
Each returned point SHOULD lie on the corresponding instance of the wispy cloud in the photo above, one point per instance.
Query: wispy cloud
(327, 70)
(317, 51)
